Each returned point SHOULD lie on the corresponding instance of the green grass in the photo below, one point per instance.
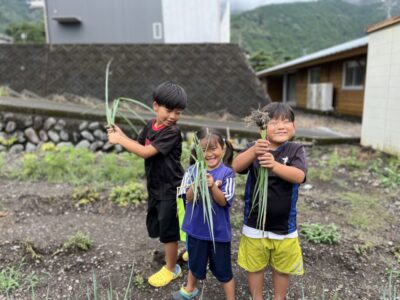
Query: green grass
(321, 234)
(391, 290)
(12, 278)
(387, 170)
(363, 211)
(79, 167)
(328, 163)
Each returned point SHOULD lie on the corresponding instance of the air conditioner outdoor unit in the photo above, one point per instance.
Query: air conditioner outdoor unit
(320, 96)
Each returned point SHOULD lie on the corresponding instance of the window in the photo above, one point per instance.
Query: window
(314, 75)
(157, 31)
(354, 74)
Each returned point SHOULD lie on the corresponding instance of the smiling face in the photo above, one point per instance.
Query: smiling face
(279, 131)
(213, 151)
(166, 116)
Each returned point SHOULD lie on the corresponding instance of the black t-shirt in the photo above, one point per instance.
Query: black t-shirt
(282, 195)
(164, 171)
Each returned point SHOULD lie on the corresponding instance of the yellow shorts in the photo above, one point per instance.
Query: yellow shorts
(283, 255)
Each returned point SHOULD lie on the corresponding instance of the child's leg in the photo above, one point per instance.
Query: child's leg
(281, 283)
(254, 257)
(171, 255)
(192, 282)
(168, 231)
(256, 284)
(229, 289)
(221, 267)
(286, 260)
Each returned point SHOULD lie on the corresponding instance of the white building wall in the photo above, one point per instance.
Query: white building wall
(225, 23)
(381, 113)
(192, 21)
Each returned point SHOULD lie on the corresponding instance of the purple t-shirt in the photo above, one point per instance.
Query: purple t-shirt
(194, 223)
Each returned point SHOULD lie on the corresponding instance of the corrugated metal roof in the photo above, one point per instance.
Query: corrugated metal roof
(316, 55)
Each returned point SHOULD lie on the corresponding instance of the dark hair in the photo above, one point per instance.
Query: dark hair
(170, 95)
(217, 136)
(279, 110)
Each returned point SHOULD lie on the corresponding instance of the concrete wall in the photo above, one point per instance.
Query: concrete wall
(104, 21)
(139, 21)
(381, 117)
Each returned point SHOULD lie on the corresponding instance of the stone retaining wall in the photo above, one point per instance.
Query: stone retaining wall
(19, 132)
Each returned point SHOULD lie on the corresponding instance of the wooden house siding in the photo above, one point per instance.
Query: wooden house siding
(345, 101)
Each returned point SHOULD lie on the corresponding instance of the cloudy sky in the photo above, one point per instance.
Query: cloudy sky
(239, 5)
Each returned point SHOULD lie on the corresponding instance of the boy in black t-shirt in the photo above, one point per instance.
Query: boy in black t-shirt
(276, 242)
(160, 144)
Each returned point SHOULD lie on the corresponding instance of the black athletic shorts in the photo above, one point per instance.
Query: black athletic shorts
(162, 220)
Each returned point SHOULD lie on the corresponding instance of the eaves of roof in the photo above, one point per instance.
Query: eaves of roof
(316, 56)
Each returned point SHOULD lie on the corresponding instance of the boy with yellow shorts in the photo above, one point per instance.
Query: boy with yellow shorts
(276, 241)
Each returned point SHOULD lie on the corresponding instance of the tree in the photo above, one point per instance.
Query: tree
(27, 32)
(261, 60)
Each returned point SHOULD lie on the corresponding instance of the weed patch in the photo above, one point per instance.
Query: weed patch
(84, 196)
(321, 234)
(130, 194)
(79, 241)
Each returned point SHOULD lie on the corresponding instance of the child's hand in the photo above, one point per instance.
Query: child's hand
(113, 136)
(261, 147)
(267, 161)
(118, 130)
(210, 180)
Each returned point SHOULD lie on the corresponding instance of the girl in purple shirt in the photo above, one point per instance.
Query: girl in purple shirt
(202, 250)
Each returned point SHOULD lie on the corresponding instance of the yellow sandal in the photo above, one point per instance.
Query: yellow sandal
(164, 276)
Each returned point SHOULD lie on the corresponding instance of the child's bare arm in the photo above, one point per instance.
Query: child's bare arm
(288, 173)
(244, 159)
(189, 195)
(215, 191)
(117, 136)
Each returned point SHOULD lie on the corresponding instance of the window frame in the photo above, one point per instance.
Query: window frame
(353, 87)
(157, 31)
(310, 70)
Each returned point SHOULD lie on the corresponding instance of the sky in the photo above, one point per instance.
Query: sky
(239, 5)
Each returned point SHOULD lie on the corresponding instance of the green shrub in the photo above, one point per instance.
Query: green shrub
(79, 241)
(320, 234)
(130, 194)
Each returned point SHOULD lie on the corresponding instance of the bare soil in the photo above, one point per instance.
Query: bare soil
(44, 214)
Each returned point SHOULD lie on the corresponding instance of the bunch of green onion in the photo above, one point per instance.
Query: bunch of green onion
(260, 194)
(112, 111)
(201, 192)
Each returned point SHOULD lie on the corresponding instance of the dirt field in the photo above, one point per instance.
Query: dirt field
(339, 191)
